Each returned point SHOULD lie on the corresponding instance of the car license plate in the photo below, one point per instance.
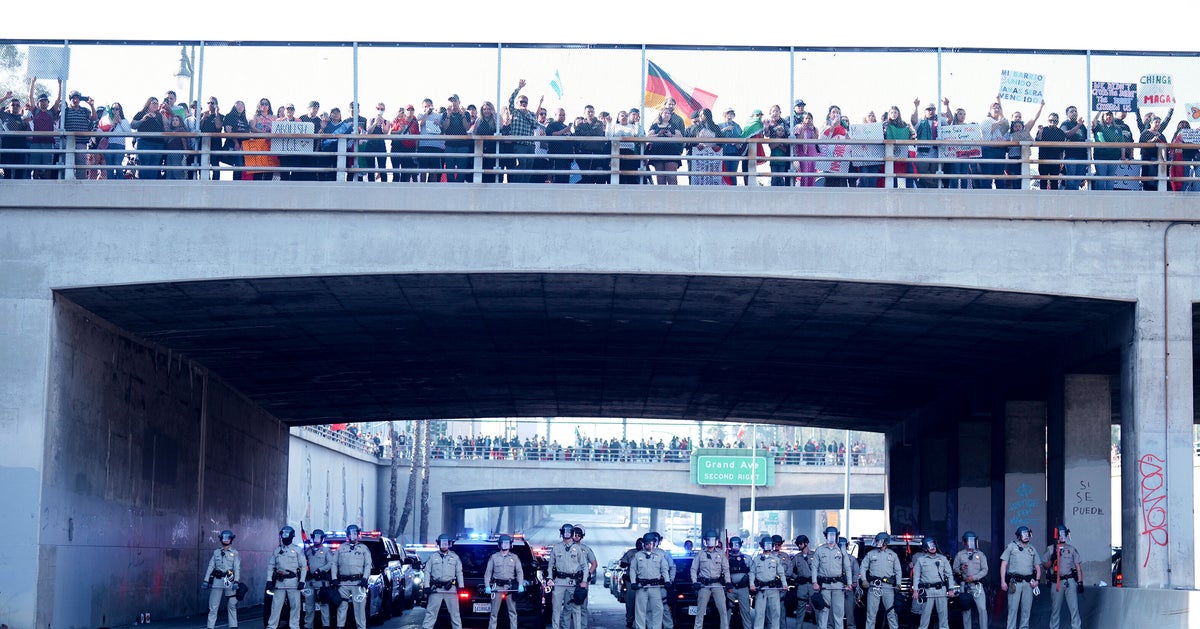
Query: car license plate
(481, 608)
(691, 610)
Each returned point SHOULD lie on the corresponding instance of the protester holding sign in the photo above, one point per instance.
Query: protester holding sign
(994, 129)
(1104, 128)
(1186, 134)
(1076, 167)
(1153, 134)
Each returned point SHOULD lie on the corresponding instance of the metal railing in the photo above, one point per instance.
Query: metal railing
(596, 159)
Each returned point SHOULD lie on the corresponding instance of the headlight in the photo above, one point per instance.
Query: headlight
(417, 580)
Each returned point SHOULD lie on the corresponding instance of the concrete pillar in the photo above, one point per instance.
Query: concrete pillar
(1080, 474)
(902, 501)
(974, 492)
(1025, 470)
(1157, 532)
(654, 519)
(934, 487)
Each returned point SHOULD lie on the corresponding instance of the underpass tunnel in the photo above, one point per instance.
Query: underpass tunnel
(170, 403)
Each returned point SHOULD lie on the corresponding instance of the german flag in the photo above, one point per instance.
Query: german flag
(660, 86)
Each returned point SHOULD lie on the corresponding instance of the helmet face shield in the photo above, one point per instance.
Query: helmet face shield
(443, 542)
(318, 537)
(227, 537)
(1024, 534)
(881, 540)
(505, 542)
(735, 543)
(930, 545)
(831, 535)
(970, 541)
(352, 533)
(286, 535)
(567, 531)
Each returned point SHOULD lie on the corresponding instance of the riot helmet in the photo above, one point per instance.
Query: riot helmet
(318, 537)
(970, 540)
(882, 539)
(227, 537)
(777, 541)
(710, 539)
(843, 543)
(578, 531)
(504, 542)
(566, 531)
(650, 541)
(801, 540)
(766, 543)
(735, 544)
(929, 544)
(352, 532)
(1024, 534)
(831, 534)
(444, 541)
(286, 535)
(1062, 533)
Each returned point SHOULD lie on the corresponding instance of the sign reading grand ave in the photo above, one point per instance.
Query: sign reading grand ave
(722, 466)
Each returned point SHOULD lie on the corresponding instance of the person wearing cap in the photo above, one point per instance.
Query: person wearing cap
(753, 130)
(926, 128)
(591, 126)
(44, 117)
(457, 121)
(78, 119)
(524, 123)
(313, 117)
(797, 111)
(14, 117)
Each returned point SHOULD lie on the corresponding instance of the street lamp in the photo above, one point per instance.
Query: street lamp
(183, 78)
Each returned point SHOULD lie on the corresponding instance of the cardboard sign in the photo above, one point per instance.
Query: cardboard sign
(837, 155)
(291, 145)
(867, 154)
(1189, 136)
(1108, 96)
(1156, 90)
(48, 63)
(1022, 87)
(960, 132)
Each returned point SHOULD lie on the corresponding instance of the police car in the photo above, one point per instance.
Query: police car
(392, 587)
(534, 605)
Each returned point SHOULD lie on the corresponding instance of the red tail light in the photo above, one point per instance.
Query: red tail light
(464, 594)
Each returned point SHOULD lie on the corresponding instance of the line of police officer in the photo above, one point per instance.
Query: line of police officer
(318, 575)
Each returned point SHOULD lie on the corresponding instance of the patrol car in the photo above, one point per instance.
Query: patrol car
(534, 605)
(394, 584)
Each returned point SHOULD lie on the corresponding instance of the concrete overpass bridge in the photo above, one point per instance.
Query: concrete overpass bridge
(159, 340)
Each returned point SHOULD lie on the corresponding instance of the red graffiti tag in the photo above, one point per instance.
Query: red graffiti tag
(1154, 502)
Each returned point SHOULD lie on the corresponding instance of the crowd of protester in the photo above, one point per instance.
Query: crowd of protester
(531, 144)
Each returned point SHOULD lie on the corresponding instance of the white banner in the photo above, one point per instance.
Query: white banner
(867, 154)
(291, 145)
(1023, 87)
(48, 63)
(1156, 90)
(960, 132)
(837, 155)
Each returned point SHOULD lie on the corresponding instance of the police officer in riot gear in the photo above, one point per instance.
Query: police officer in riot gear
(668, 618)
(592, 566)
(831, 569)
(1020, 572)
(800, 575)
(851, 591)
(223, 574)
(881, 577)
(443, 576)
(933, 577)
(648, 575)
(710, 574)
(739, 581)
(351, 569)
(767, 580)
(502, 575)
(972, 568)
(286, 572)
(630, 599)
(568, 566)
(320, 574)
(1066, 570)
(786, 560)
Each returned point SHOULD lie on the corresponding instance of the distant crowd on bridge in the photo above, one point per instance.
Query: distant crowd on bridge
(522, 144)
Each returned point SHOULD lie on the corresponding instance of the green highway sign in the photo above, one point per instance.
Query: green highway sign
(731, 469)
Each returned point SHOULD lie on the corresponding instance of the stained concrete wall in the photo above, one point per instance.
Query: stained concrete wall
(333, 486)
(148, 457)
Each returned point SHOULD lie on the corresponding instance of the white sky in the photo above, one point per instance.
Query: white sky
(609, 80)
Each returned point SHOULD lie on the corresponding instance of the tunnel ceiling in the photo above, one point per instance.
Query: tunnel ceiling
(854, 355)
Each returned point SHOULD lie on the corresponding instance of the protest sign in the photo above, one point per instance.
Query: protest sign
(964, 133)
(1189, 136)
(867, 154)
(291, 145)
(1023, 87)
(48, 62)
(836, 154)
(1191, 112)
(1156, 90)
(1108, 96)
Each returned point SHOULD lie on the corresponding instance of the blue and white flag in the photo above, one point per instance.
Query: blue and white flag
(556, 84)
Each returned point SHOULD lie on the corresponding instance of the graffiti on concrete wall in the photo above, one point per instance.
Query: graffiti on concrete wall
(1154, 502)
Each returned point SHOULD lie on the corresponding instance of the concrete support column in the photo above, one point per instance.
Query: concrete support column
(974, 490)
(733, 515)
(1158, 532)
(654, 519)
(902, 498)
(934, 488)
(1025, 470)
(1080, 474)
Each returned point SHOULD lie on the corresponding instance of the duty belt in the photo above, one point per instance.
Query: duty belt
(344, 578)
(740, 579)
(441, 585)
(577, 576)
(803, 580)
(879, 580)
(773, 583)
(704, 581)
(505, 582)
(651, 582)
(1020, 577)
(825, 580)
(284, 574)
(217, 574)
(1070, 575)
(318, 575)
(925, 585)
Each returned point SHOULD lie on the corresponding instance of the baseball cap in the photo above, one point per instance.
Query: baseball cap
(800, 103)
(756, 112)
(730, 110)
(453, 97)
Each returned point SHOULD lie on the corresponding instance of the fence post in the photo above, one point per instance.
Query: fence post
(69, 164)
(341, 158)
(1026, 164)
(477, 169)
(614, 163)
(889, 163)
(205, 158)
(1164, 170)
